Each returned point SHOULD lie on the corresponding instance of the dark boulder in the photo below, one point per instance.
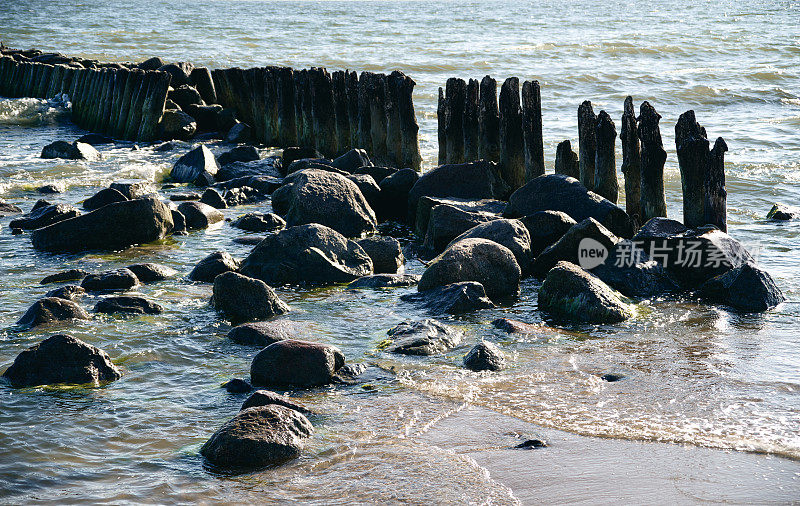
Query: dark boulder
(545, 228)
(178, 222)
(199, 215)
(179, 73)
(198, 166)
(377, 173)
(71, 151)
(313, 163)
(43, 216)
(68, 292)
(369, 188)
(213, 265)
(118, 279)
(226, 119)
(573, 244)
(296, 363)
(782, 212)
(352, 160)
(176, 124)
(446, 222)
(293, 153)
(211, 197)
(557, 192)
(426, 337)
(455, 298)
(7, 209)
(237, 386)
(126, 304)
(103, 198)
(267, 397)
(150, 273)
(259, 222)
(206, 116)
(238, 154)
(263, 334)
(68, 275)
(61, 359)
(474, 181)
(243, 299)
(95, 139)
(258, 437)
(135, 189)
(659, 228)
(153, 63)
(239, 133)
(268, 167)
(481, 260)
(112, 227)
(51, 310)
(570, 293)
(316, 196)
(394, 195)
(509, 233)
(485, 356)
(312, 254)
(384, 281)
(50, 189)
(629, 270)
(185, 95)
(385, 252)
(516, 326)
(746, 288)
(242, 195)
(488, 209)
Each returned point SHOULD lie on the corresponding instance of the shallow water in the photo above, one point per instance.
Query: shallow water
(697, 375)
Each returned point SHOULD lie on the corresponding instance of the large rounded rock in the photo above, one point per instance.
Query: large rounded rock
(747, 288)
(73, 151)
(394, 195)
(316, 196)
(150, 273)
(631, 271)
(61, 359)
(103, 198)
(199, 215)
(557, 192)
(244, 299)
(426, 337)
(180, 72)
(352, 160)
(185, 95)
(570, 293)
(126, 304)
(582, 237)
(481, 260)
(134, 189)
(262, 334)
(51, 310)
(510, 233)
(312, 254)
(198, 166)
(445, 222)
(259, 222)
(68, 292)
(296, 363)
(213, 265)
(118, 279)
(545, 228)
(68, 275)
(369, 189)
(485, 356)
(258, 437)
(112, 227)
(455, 298)
(267, 398)
(239, 154)
(385, 252)
(178, 125)
(43, 215)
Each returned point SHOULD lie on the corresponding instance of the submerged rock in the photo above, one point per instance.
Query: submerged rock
(199, 215)
(237, 386)
(244, 299)
(546, 228)
(71, 151)
(747, 288)
(118, 279)
(213, 265)
(112, 227)
(150, 273)
(312, 254)
(570, 293)
(515, 326)
(481, 260)
(629, 270)
(61, 359)
(51, 310)
(385, 252)
(68, 275)
(485, 356)
(296, 363)
(455, 298)
(126, 304)
(782, 212)
(262, 334)
(426, 337)
(258, 437)
(384, 281)
(7, 209)
(267, 398)
(69, 292)
(259, 222)
(44, 215)
(102, 198)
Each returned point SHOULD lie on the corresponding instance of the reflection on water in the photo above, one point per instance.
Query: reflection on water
(694, 374)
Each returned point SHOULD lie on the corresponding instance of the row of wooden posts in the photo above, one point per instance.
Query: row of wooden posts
(473, 124)
(121, 103)
(332, 112)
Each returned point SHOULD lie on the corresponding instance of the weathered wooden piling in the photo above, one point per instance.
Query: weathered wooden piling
(455, 98)
(204, 84)
(702, 174)
(339, 84)
(605, 168)
(252, 94)
(512, 142)
(323, 112)
(153, 107)
(302, 107)
(532, 129)
(271, 128)
(471, 126)
(489, 121)
(409, 129)
(377, 107)
(587, 145)
(631, 161)
(566, 160)
(653, 201)
(106, 91)
(351, 81)
(394, 141)
(441, 119)
(364, 115)
(135, 110)
(125, 104)
(287, 122)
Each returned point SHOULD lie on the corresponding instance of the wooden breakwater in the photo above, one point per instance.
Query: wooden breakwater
(332, 112)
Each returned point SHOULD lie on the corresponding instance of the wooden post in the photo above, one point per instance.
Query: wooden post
(287, 123)
(202, 81)
(441, 116)
(394, 140)
(339, 84)
(323, 112)
(125, 104)
(716, 195)
(653, 201)
(489, 121)
(222, 87)
(251, 95)
(95, 88)
(56, 77)
(351, 82)
(409, 129)
(455, 98)
(27, 78)
(302, 97)
(587, 146)
(106, 96)
(116, 101)
(377, 121)
(631, 161)
(512, 143)
(271, 128)
(605, 168)
(471, 125)
(532, 129)
(153, 107)
(364, 115)
(567, 160)
(4, 66)
(66, 79)
(42, 80)
(138, 93)
(77, 94)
